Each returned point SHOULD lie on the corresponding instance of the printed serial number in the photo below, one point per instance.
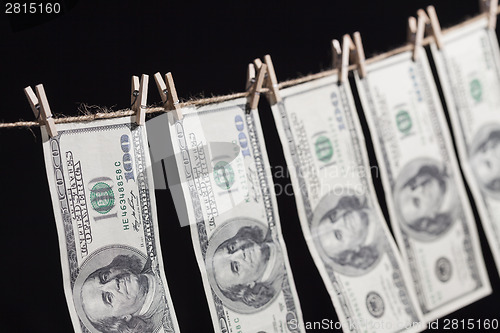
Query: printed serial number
(470, 324)
(32, 8)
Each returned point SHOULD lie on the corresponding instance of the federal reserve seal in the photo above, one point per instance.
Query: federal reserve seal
(102, 197)
(375, 304)
(403, 121)
(324, 149)
(443, 269)
(223, 175)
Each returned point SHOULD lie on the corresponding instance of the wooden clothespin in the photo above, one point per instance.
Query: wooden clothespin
(256, 86)
(360, 54)
(490, 7)
(336, 55)
(347, 49)
(139, 97)
(435, 26)
(351, 51)
(416, 32)
(412, 30)
(271, 82)
(258, 63)
(168, 94)
(432, 26)
(40, 106)
(341, 55)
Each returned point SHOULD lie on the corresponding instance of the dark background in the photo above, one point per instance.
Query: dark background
(88, 54)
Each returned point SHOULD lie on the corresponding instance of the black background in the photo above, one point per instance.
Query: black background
(88, 54)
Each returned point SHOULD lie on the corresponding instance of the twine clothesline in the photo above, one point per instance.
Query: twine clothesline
(218, 99)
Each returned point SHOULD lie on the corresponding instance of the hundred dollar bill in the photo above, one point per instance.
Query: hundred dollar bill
(469, 71)
(428, 206)
(229, 193)
(102, 190)
(339, 212)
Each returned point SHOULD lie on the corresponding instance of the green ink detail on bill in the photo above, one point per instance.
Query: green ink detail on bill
(403, 121)
(102, 198)
(324, 149)
(475, 90)
(223, 175)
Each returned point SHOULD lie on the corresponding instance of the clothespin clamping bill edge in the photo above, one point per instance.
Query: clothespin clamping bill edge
(416, 31)
(490, 7)
(255, 83)
(270, 79)
(168, 94)
(431, 23)
(40, 106)
(139, 97)
(349, 51)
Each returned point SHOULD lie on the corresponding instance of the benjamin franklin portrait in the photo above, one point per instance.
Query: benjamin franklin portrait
(118, 291)
(345, 233)
(484, 159)
(244, 265)
(425, 198)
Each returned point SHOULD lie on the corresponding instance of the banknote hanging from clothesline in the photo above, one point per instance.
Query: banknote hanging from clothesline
(226, 185)
(468, 64)
(103, 196)
(339, 212)
(428, 206)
